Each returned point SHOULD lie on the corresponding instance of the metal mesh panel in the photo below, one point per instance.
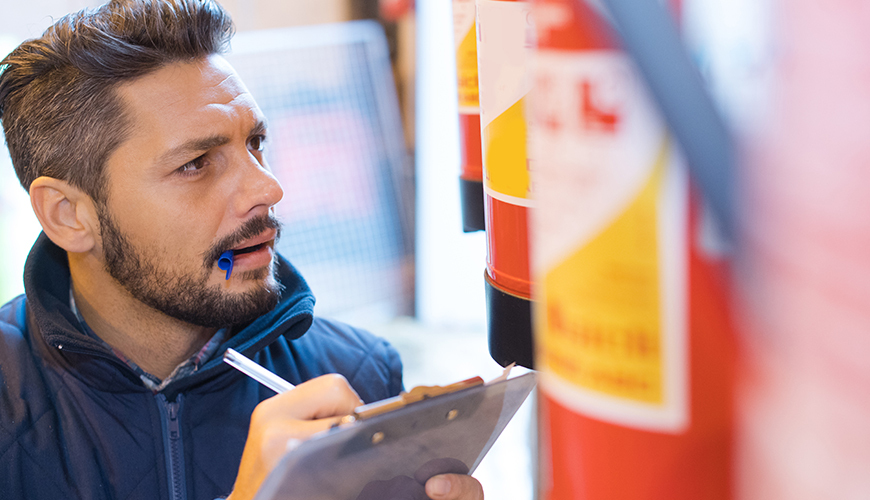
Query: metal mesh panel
(336, 145)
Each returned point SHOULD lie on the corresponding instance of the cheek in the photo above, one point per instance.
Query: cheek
(174, 232)
(176, 219)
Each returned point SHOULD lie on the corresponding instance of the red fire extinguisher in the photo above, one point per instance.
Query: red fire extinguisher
(633, 334)
(505, 45)
(471, 171)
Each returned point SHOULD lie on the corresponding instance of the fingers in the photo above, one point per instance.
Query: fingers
(293, 416)
(322, 397)
(454, 487)
(273, 439)
(309, 408)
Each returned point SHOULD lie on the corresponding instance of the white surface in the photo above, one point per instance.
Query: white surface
(450, 263)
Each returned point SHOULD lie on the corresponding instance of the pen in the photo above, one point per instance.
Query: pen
(256, 372)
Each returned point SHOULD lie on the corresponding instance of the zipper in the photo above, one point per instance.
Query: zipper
(173, 446)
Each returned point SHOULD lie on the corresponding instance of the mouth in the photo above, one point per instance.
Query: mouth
(250, 249)
(252, 253)
(266, 239)
(250, 246)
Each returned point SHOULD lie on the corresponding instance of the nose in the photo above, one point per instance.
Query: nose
(259, 190)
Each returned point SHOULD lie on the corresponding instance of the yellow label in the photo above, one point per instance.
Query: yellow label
(602, 329)
(466, 73)
(504, 139)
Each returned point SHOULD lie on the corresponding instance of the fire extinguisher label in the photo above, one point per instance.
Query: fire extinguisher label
(465, 37)
(505, 45)
(608, 244)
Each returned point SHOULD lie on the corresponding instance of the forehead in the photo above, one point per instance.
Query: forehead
(183, 101)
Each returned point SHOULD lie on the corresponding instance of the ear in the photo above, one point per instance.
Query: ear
(67, 214)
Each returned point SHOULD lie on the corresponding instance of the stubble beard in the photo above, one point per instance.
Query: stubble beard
(187, 296)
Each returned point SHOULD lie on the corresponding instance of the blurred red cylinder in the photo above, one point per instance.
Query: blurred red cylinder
(471, 163)
(633, 333)
(505, 45)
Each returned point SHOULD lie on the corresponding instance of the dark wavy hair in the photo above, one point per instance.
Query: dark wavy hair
(59, 107)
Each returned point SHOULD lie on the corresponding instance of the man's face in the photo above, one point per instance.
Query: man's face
(188, 184)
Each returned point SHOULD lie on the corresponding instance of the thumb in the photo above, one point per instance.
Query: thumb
(454, 487)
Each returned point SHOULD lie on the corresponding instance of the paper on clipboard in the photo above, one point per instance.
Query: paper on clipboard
(392, 454)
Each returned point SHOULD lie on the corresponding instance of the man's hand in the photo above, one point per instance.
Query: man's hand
(295, 415)
(440, 487)
(454, 487)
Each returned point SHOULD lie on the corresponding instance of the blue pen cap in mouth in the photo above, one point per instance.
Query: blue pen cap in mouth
(225, 262)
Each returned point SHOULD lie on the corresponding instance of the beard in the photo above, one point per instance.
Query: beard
(187, 296)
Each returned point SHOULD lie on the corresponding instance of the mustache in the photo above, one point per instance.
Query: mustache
(249, 229)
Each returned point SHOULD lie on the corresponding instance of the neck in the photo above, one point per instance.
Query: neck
(157, 343)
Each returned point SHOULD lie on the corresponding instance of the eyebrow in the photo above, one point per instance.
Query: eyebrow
(259, 128)
(204, 144)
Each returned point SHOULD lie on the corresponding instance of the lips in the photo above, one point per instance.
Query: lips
(254, 244)
(242, 251)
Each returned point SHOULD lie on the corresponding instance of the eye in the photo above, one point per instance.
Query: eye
(192, 167)
(257, 142)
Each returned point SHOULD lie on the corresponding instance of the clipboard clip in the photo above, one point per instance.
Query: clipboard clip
(416, 394)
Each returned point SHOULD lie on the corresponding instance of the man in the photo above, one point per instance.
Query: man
(142, 152)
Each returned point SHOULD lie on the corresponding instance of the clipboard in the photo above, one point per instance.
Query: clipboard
(390, 448)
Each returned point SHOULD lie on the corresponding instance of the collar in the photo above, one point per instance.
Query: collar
(152, 381)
